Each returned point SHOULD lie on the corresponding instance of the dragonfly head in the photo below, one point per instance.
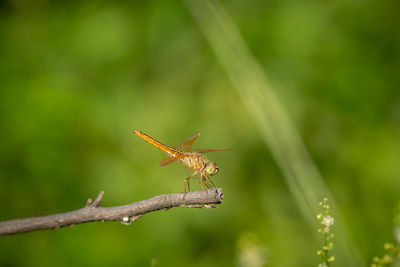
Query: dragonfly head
(211, 169)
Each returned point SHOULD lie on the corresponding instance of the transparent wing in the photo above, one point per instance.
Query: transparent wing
(187, 145)
(210, 150)
(167, 161)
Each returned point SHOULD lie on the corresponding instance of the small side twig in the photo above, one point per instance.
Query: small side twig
(92, 212)
(96, 203)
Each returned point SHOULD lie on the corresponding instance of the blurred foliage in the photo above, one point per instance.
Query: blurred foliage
(77, 77)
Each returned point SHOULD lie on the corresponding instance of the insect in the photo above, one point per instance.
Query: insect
(195, 161)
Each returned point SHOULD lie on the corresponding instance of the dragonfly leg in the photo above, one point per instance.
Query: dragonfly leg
(209, 179)
(205, 177)
(201, 183)
(188, 183)
(206, 182)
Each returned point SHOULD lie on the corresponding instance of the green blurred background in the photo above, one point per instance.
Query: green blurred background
(76, 77)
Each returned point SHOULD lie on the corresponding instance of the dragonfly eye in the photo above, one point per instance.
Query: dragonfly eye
(212, 169)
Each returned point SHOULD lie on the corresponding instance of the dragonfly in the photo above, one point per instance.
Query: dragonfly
(195, 161)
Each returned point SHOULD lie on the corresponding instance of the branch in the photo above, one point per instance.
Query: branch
(126, 214)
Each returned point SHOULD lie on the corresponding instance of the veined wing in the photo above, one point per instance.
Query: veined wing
(210, 150)
(187, 145)
(169, 160)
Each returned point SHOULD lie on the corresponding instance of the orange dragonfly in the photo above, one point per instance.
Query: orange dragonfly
(194, 161)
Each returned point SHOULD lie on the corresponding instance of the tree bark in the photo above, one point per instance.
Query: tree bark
(92, 212)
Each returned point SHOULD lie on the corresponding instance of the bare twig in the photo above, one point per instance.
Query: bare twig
(92, 212)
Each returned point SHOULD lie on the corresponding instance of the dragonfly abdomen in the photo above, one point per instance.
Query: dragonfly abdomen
(169, 150)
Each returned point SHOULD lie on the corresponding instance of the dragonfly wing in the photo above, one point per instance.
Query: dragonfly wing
(210, 150)
(167, 161)
(188, 143)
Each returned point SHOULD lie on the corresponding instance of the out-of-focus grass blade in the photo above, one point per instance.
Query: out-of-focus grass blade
(273, 121)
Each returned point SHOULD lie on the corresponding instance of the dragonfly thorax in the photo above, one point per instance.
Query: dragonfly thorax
(193, 160)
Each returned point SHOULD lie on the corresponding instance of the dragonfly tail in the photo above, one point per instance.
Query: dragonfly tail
(169, 150)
